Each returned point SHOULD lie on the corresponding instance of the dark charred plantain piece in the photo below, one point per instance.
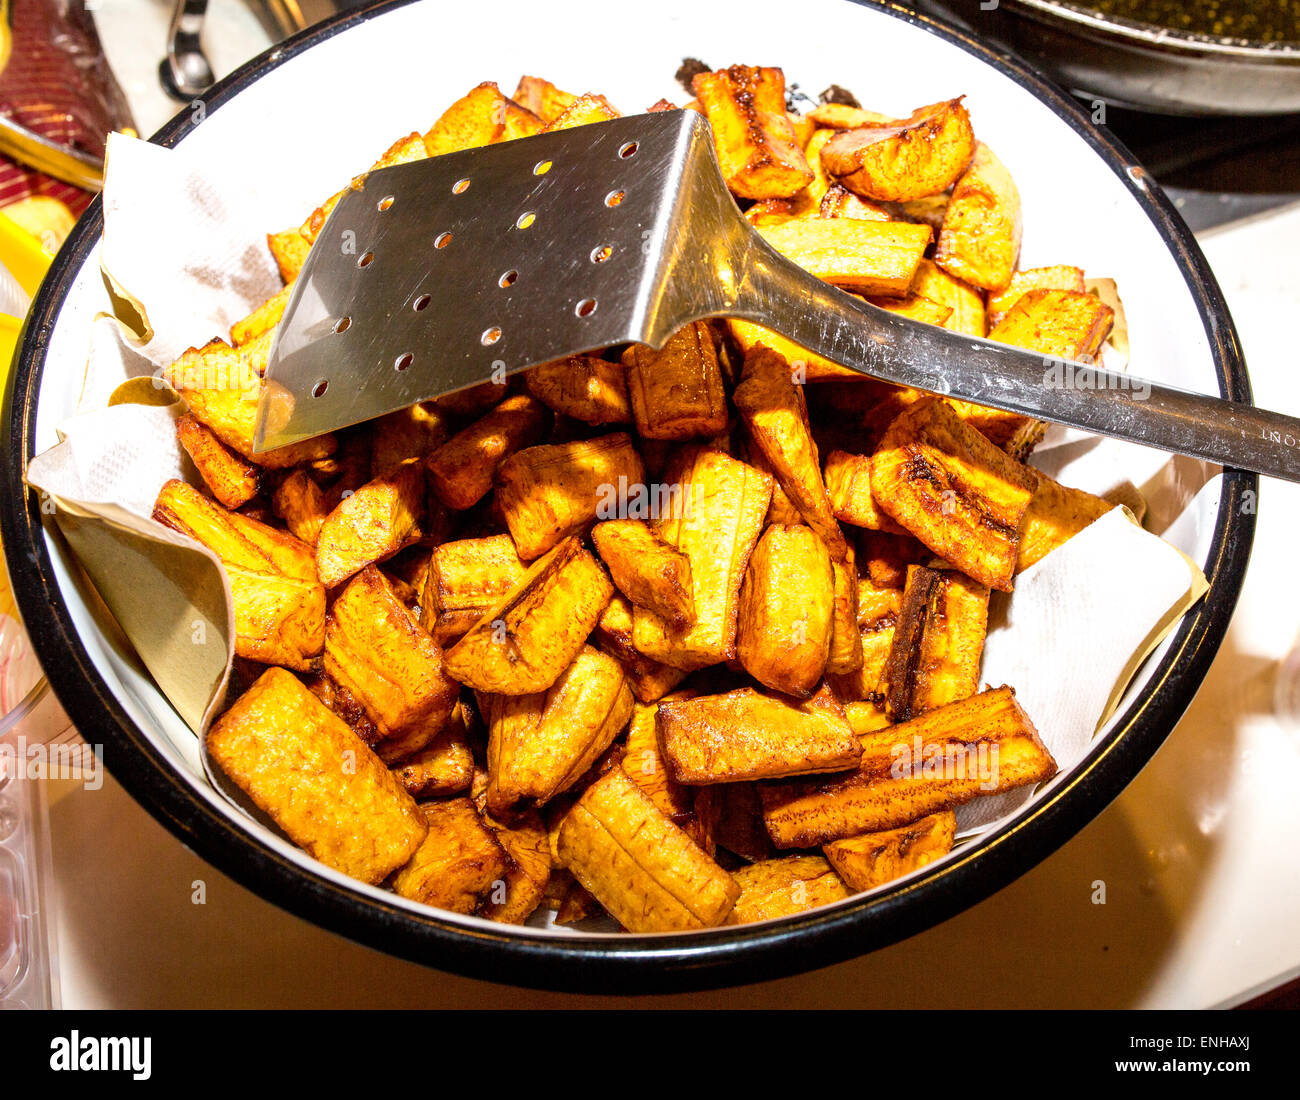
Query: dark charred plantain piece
(954, 490)
(935, 656)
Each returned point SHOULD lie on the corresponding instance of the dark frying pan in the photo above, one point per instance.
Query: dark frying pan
(1134, 64)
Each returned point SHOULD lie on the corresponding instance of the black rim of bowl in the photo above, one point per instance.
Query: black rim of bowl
(628, 963)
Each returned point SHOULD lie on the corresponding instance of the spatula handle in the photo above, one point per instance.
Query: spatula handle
(855, 334)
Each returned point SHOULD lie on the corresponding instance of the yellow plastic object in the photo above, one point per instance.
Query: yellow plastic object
(23, 255)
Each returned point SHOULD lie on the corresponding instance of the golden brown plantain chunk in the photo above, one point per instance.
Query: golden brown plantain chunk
(755, 140)
(787, 607)
(839, 202)
(302, 504)
(640, 866)
(316, 779)
(939, 760)
(289, 249)
(747, 734)
(777, 417)
(222, 385)
(549, 492)
(813, 367)
(583, 111)
(783, 887)
(542, 97)
(540, 745)
(920, 155)
(480, 117)
(884, 558)
(954, 490)
(462, 469)
(411, 433)
(873, 258)
(872, 859)
(1056, 514)
(524, 887)
(643, 760)
(848, 486)
(966, 303)
(233, 480)
(532, 634)
(846, 653)
(646, 569)
(444, 767)
(264, 318)
(459, 863)
(676, 392)
(373, 524)
(878, 608)
(649, 679)
(938, 642)
(465, 579)
(1056, 277)
(980, 238)
(279, 620)
(844, 116)
(588, 389)
(715, 520)
(235, 539)
(389, 663)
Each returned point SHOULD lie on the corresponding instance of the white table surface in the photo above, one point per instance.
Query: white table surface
(1203, 888)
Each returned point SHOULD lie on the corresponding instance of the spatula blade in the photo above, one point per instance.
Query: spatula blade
(437, 275)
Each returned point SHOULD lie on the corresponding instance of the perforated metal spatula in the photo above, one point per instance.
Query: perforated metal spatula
(433, 276)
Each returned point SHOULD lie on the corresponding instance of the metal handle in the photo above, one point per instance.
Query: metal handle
(874, 341)
(185, 70)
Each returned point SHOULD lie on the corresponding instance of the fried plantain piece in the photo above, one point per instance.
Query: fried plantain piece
(316, 779)
(279, 620)
(407, 434)
(878, 607)
(588, 389)
(980, 238)
(405, 150)
(938, 642)
(644, 763)
(776, 414)
(884, 557)
(289, 249)
(459, 863)
(445, 766)
(756, 143)
(785, 886)
(373, 524)
(872, 859)
(848, 486)
(473, 401)
(787, 607)
(739, 827)
(232, 480)
(301, 503)
(513, 899)
(480, 117)
(462, 469)
(222, 385)
(748, 734)
(183, 508)
(1055, 277)
(542, 97)
(583, 111)
(264, 318)
(846, 653)
(844, 116)
(465, 579)
(648, 678)
(1056, 514)
(939, 760)
(529, 637)
(716, 518)
(646, 569)
(640, 866)
(906, 159)
(676, 392)
(811, 366)
(549, 492)
(540, 745)
(872, 258)
(966, 302)
(954, 490)
(839, 202)
(389, 663)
